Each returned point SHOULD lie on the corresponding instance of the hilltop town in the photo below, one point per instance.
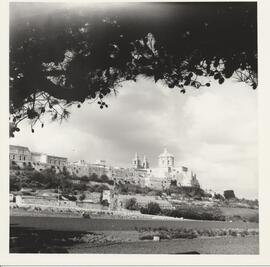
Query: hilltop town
(139, 173)
(46, 181)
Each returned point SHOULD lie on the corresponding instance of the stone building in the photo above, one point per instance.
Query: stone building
(166, 160)
(82, 168)
(160, 178)
(19, 154)
(48, 159)
(138, 164)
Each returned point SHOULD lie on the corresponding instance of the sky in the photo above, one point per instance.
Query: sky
(213, 131)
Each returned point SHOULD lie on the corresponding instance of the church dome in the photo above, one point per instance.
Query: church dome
(166, 154)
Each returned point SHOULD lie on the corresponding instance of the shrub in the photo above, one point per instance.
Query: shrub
(82, 197)
(84, 179)
(254, 218)
(70, 197)
(195, 213)
(132, 204)
(146, 237)
(105, 203)
(104, 178)
(15, 183)
(152, 208)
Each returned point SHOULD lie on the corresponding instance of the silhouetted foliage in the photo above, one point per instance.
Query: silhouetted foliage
(65, 56)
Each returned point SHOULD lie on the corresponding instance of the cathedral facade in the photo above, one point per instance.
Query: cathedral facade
(161, 177)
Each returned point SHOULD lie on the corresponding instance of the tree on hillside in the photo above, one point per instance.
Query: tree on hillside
(60, 56)
(132, 204)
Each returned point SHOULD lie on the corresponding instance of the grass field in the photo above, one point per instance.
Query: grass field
(227, 211)
(228, 245)
(240, 214)
(80, 224)
(30, 234)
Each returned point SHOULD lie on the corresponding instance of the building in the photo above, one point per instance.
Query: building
(138, 164)
(48, 159)
(83, 168)
(19, 154)
(145, 163)
(166, 160)
(139, 173)
(160, 178)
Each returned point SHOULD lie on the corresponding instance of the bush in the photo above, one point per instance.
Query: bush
(195, 214)
(152, 208)
(146, 237)
(105, 203)
(131, 188)
(14, 183)
(132, 204)
(82, 197)
(84, 179)
(70, 197)
(218, 196)
(254, 218)
(98, 188)
(104, 178)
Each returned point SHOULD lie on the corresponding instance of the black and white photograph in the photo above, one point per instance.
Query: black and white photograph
(133, 128)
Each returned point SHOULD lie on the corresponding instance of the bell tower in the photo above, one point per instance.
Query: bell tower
(166, 160)
(145, 163)
(136, 162)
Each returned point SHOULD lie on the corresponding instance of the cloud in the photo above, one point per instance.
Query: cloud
(213, 131)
